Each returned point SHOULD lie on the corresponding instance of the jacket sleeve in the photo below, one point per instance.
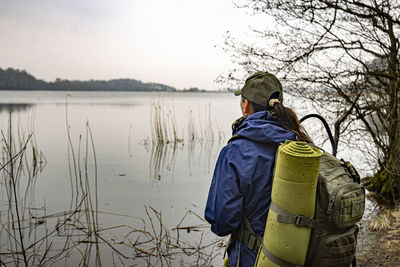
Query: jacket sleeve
(224, 204)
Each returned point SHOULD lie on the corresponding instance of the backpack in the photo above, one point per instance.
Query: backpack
(339, 205)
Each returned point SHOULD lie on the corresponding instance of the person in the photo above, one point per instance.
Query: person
(240, 191)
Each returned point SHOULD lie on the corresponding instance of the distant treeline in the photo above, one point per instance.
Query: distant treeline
(12, 79)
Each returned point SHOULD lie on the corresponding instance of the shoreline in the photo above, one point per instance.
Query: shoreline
(378, 242)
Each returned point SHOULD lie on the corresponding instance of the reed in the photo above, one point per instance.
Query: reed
(192, 135)
(32, 236)
(201, 129)
(164, 128)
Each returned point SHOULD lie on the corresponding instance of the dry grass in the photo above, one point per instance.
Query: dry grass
(386, 220)
(380, 222)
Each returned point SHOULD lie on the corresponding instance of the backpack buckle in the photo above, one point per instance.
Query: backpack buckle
(303, 221)
(251, 242)
(353, 173)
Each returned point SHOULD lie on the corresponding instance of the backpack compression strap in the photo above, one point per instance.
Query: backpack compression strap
(276, 259)
(285, 216)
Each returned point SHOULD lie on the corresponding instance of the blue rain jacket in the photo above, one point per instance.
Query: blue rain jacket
(242, 181)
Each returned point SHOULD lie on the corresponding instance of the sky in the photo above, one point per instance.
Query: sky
(174, 42)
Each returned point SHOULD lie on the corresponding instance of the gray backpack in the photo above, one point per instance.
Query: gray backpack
(339, 206)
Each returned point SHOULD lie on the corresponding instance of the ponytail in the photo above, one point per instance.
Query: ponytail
(288, 118)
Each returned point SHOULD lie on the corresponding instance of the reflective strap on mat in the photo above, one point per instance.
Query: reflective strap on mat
(285, 216)
(277, 260)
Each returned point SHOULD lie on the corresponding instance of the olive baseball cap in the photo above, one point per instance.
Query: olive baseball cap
(259, 88)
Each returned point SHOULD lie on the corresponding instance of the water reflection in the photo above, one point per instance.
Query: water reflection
(15, 107)
(79, 235)
(61, 223)
(163, 159)
(65, 214)
(21, 163)
(202, 139)
(94, 104)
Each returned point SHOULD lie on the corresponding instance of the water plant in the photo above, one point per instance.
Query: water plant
(32, 236)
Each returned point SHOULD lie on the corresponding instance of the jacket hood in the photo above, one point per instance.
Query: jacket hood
(262, 127)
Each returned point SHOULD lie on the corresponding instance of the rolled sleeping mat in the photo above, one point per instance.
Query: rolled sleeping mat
(290, 217)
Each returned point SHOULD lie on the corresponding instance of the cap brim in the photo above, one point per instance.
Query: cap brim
(238, 92)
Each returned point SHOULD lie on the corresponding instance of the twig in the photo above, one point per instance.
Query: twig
(15, 196)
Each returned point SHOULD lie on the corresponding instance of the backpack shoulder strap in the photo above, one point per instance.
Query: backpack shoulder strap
(249, 236)
(246, 234)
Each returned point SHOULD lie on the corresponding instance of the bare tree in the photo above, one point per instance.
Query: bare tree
(344, 56)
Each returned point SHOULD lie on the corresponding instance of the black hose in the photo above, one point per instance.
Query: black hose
(328, 130)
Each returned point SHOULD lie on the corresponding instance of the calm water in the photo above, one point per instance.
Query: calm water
(120, 125)
(132, 170)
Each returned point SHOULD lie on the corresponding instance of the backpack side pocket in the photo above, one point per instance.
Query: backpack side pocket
(338, 249)
(346, 205)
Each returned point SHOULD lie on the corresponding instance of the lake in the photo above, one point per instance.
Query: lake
(133, 170)
(113, 177)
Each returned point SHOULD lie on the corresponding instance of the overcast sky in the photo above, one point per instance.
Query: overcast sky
(175, 42)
